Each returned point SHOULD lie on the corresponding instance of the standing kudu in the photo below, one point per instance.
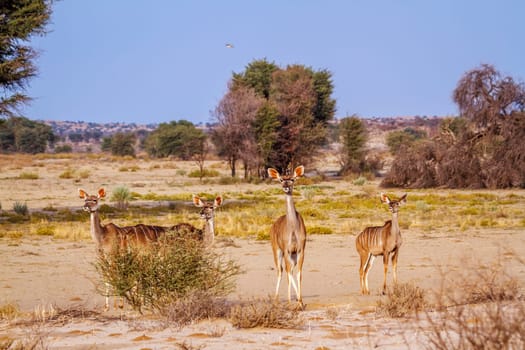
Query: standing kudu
(380, 240)
(288, 236)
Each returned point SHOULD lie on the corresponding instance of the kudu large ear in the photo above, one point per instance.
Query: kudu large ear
(274, 174)
(217, 202)
(384, 198)
(299, 171)
(83, 194)
(403, 199)
(197, 201)
(101, 193)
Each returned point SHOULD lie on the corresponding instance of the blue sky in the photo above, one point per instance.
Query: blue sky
(162, 60)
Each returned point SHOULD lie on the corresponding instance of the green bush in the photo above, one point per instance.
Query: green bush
(122, 196)
(320, 230)
(28, 176)
(360, 181)
(166, 273)
(67, 174)
(205, 173)
(20, 208)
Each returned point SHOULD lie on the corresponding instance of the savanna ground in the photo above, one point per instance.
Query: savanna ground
(49, 298)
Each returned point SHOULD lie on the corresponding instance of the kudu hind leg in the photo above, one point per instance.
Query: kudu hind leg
(300, 277)
(368, 265)
(395, 255)
(290, 264)
(278, 258)
(385, 268)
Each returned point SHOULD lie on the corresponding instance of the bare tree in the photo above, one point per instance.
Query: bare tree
(235, 115)
(487, 98)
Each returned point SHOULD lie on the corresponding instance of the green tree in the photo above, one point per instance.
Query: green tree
(292, 126)
(407, 136)
(258, 76)
(352, 133)
(177, 138)
(121, 144)
(19, 134)
(20, 20)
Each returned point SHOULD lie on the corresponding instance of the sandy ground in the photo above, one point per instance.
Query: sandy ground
(43, 272)
(37, 273)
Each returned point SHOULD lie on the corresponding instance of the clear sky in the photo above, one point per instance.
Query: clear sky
(162, 60)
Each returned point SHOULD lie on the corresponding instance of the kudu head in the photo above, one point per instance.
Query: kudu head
(207, 208)
(393, 205)
(91, 201)
(287, 180)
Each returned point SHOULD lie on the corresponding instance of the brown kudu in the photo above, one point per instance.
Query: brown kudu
(288, 237)
(380, 240)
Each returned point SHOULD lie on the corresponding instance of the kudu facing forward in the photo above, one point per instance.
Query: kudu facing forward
(380, 240)
(288, 236)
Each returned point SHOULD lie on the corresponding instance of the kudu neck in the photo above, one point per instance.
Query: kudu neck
(96, 227)
(209, 231)
(291, 216)
(395, 223)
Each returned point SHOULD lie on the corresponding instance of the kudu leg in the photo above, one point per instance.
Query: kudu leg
(385, 268)
(300, 277)
(368, 266)
(290, 265)
(395, 255)
(278, 259)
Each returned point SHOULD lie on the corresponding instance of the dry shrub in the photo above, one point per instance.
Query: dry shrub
(479, 284)
(9, 311)
(488, 313)
(493, 325)
(32, 342)
(195, 306)
(413, 166)
(267, 313)
(402, 300)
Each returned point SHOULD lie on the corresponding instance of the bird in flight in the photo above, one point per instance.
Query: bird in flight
(229, 46)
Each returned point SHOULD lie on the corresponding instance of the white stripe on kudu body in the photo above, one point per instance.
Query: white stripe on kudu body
(380, 240)
(288, 237)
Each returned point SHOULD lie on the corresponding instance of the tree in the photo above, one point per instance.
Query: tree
(258, 76)
(292, 123)
(20, 20)
(177, 138)
(495, 107)
(407, 136)
(122, 144)
(488, 99)
(482, 148)
(19, 134)
(352, 132)
(234, 134)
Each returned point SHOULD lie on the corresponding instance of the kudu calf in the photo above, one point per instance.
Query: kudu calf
(380, 240)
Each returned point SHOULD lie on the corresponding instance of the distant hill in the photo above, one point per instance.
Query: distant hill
(87, 136)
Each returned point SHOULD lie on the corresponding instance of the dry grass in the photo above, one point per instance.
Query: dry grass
(194, 307)
(9, 311)
(339, 207)
(486, 312)
(402, 300)
(267, 313)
